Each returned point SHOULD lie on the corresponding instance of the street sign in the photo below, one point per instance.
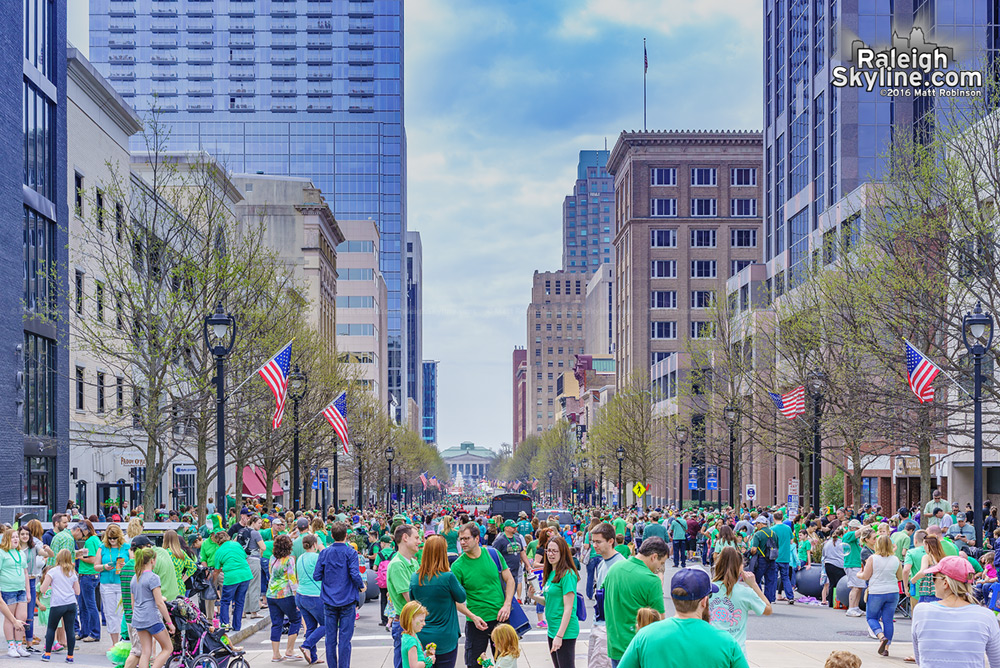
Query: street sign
(793, 486)
(639, 490)
(324, 474)
(793, 505)
(692, 477)
(751, 492)
(713, 477)
(185, 469)
(315, 484)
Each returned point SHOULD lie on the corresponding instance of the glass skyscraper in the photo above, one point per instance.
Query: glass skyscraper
(429, 420)
(587, 213)
(310, 88)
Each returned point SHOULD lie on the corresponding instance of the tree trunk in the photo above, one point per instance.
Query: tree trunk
(201, 476)
(924, 455)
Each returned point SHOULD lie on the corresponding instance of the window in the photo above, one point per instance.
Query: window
(355, 302)
(779, 284)
(39, 259)
(100, 392)
(702, 330)
(356, 274)
(743, 176)
(119, 221)
(663, 269)
(37, 129)
(869, 490)
(850, 231)
(743, 238)
(702, 238)
(355, 330)
(703, 176)
(79, 388)
(662, 208)
(119, 394)
(39, 385)
(663, 330)
(99, 299)
(99, 205)
(736, 266)
(829, 246)
(702, 298)
(79, 293)
(704, 207)
(659, 357)
(663, 299)
(743, 208)
(703, 269)
(356, 247)
(119, 311)
(663, 176)
(78, 194)
(663, 239)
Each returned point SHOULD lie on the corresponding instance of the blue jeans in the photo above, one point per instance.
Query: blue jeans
(29, 626)
(397, 645)
(265, 575)
(281, 609)
(591, 573)
(766, 573)
(784, 572)
(680, 552)
(339, 631)
(314, 617)
(881, 607)
(234, 595)
(90, 619)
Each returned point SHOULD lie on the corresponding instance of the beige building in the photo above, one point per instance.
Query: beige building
(555, 335)
(302, 230)
(362, 301)
(599, 312)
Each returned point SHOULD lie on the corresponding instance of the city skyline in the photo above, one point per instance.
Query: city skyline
(499, 103)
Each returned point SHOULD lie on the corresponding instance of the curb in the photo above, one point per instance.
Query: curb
(247, 631)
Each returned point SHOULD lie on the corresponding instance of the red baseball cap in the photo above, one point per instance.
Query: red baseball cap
(957, 568)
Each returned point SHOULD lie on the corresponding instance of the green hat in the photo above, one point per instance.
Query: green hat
(386, 538)
(509, 523)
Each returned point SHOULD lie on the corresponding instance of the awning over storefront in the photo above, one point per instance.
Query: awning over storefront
(254, 483)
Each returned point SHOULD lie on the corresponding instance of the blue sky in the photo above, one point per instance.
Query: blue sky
(501, 95)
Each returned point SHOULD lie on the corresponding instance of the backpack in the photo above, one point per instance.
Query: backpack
(382, 574)
(242, 537)
(770, 549)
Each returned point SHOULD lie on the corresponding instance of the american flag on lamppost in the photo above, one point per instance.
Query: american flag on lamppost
(920, 373)
(336, 415)
(791, 404)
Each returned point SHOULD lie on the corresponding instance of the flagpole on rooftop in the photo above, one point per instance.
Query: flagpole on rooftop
(645, 66)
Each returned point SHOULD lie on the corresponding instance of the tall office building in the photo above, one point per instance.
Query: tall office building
(414, 322)
(555, 335)
(519, 382)
(34, 443)
(429, 417)
(599, 312)
(310, 88)
(588, 241)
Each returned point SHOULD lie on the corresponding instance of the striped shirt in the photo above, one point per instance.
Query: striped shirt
(955, 637)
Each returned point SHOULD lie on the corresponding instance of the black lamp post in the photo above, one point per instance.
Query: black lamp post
(816, 384)
(220, 334)
(550, 487)
(682, 437)
(602, 461)
(583, 465)
(390, 454)
(732, 415)
(620, 454)
(361, 494)
(297, 389)
(336, 478)
(574, 470)
(977, 329)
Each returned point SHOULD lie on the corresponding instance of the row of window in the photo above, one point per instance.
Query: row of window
(667, 299)
(102, 387)
(559, 327)
(699, 268)
(667, 329)
(356, 247)
(548, 314)
(703, 176)
(357, 329)
(738, 238)
(703, 207)
(344, 301)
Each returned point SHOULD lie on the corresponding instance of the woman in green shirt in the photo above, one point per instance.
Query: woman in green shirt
(450, 534)
(14, 588)
(231, 559)
(559, 599)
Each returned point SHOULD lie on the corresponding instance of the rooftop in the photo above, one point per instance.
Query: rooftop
(468, 448)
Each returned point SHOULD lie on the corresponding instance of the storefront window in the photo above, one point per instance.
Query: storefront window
(869, 491)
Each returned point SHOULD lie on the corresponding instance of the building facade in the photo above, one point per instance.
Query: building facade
(414, 324)
(429, 415)
(468, 463)
(599, 312)
(301, 229)
(588, 242)
(294, 88)
(519, 401)
(362, 339)
(555, 335)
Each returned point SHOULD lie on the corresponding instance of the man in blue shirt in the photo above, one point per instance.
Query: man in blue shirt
(339, 572)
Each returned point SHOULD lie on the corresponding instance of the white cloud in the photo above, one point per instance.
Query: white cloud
(657, 16)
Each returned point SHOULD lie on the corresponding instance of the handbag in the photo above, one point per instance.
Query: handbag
(517, 618)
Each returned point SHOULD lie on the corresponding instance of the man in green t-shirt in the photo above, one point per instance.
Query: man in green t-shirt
(480, 572)
(629, 585)
(90, 618)
(902, 539)
(231, 559)
(654, 529)
(678, 538)
(852, 567)
(402, 567)
(619, 524)
(687, 639)
(523, 525)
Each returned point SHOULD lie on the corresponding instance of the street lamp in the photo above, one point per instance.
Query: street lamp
(220, 334)
(816, 384)
(583, 464)
(574, 470)
(390, 454)
(620, 454)
(601, 463)
(731, 415)
(682, 437)
(297, 388)
(550, 487)
(977, 326)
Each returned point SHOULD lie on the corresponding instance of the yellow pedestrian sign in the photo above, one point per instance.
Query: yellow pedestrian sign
(639, 490)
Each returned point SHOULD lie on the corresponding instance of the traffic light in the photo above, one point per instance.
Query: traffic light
(404, 489)
(574, 487)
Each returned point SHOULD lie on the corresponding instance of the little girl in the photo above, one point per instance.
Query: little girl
(149, 612)
(65, 586)
(645, 617)
(411, 621)
(508, 649)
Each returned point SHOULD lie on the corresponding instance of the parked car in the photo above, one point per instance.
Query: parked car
(510, 506)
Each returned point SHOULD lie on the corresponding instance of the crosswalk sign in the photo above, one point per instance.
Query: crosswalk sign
(639, 490)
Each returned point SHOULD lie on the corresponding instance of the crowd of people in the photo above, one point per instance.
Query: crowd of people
(433, 564)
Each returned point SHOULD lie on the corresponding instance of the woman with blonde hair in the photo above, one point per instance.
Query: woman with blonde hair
(114, 554)
(738, 591)
(65, 584)
(883, 571)
(450, 534)
(134, 528)
(14, 590)
(184, 565)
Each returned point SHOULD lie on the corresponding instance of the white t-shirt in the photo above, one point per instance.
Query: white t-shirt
(62, 587)
(729, 613)
(883, 579)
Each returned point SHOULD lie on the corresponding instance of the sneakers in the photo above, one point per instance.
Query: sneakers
(855, 612)
(872, 634)
(23, 652)
(12, 652)
(58, 648)
(543, 625)
(46, 657)
(69, 658)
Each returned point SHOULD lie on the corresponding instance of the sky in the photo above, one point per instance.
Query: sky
(500, 98)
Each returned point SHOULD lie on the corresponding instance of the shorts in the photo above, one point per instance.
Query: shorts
(853, 580)
(154, 629)
(12, 597)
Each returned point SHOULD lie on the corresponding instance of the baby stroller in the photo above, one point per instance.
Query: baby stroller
(197, 644)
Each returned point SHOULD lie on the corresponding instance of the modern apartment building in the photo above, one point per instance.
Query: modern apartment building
(519, 383)
(308, 88)
(687, 218)
(587, 216)
(429, 416)
(34, 444)
(555, 335)
(301, 229)
(599, 312)
(415, 324)
(361, 306)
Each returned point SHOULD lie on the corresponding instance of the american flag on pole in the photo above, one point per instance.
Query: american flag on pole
(275, 374)
(792, 403)
(434, 482)
(645, 59)
(336, 414)
(534, 483)
(423, 479)
(921, 372)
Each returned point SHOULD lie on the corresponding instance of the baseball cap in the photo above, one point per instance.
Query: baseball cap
(523, 514)
(245, 511)
(695, 583)
(509, 523)
(386, 538)
(760, 520)
(140, 541)
(854, 524)
(302, 524)
(957, 568)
